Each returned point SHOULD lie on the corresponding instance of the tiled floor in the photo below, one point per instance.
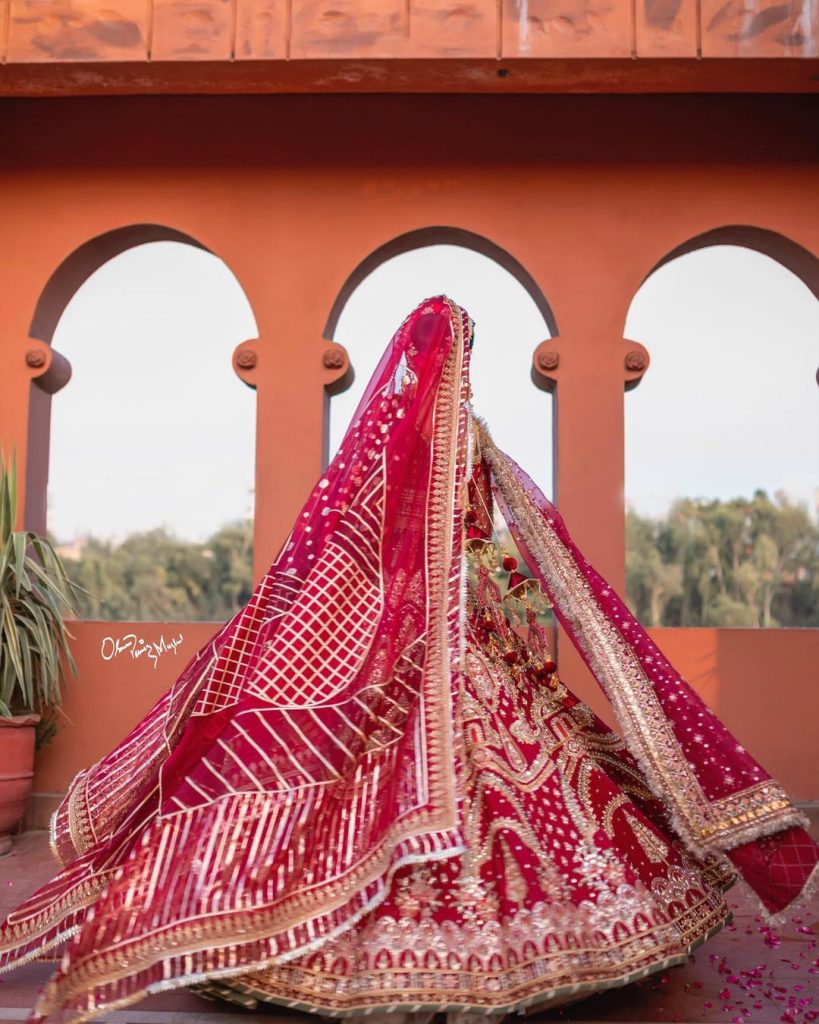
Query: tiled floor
(745, 975)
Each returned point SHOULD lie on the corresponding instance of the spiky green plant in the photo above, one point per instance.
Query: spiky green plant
(35, 595)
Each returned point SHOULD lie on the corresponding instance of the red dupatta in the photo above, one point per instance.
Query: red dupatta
(308, 751)
(720, 800)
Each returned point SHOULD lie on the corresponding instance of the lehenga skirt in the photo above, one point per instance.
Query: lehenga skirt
(570, 879)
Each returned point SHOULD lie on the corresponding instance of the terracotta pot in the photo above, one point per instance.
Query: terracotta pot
(16, 772)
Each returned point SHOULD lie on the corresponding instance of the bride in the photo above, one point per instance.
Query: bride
(372, 792)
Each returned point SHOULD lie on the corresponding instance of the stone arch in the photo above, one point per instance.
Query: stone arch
(63, 284)
(440, 235)
(79, 265)
(533, 318)
(793, 256)
(730, 397)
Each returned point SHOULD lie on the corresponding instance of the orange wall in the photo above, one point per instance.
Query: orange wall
(111, 694)
(755, 680)
(587, 193)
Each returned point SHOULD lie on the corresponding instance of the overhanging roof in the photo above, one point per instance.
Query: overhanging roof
(59, 47)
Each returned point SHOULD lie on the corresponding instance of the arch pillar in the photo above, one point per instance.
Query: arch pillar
(587, 373)
(588, 367)
(35, 372)
(31, 371)
(293, 385)
(50, 371)
(27, 385)
(588, 376)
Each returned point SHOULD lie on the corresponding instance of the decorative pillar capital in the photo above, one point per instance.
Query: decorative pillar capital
(546, 364)
(47, 368)
(338, 371)
(38, 357)
(636, 361)
(245, 362)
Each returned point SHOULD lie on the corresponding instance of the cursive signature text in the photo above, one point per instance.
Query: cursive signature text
(138, 647)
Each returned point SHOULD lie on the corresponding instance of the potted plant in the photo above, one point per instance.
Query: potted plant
(35, 594)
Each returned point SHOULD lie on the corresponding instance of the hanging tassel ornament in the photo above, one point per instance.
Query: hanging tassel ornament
(510, 565)
(473, 531)
(510, 655)
(545, 669)
(516, 579)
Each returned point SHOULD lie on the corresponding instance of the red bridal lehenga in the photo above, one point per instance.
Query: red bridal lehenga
(369, 793)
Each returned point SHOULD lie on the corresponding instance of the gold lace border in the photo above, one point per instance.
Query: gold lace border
(704, 825)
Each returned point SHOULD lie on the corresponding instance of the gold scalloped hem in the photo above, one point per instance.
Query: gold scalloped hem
(542, 994)
(47, 1004)
(482, 994)
(539, 1001)
(22, 934)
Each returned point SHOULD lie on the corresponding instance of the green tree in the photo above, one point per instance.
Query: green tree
(156, 576)
(744, 562)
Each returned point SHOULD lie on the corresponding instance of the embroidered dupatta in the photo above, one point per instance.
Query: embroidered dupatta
(311, 749)
(720, 800)
(308, 751)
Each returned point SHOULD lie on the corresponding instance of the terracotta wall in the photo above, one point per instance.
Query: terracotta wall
(89, 47)
(588, 194)
(37, 31)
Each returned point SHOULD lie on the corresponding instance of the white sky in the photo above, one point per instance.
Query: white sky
(154, 428)
(730, 401)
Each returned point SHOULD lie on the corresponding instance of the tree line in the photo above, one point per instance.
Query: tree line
(744, 562)
(725, 563)
(155, 576)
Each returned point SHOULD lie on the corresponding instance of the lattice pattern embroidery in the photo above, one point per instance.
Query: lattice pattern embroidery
(322, 642)
(360, 530)
(225, 684)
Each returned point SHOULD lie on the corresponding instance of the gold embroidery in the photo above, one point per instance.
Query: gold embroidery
(507, 964)
(653, 847)
(296, 922)
(703, 824)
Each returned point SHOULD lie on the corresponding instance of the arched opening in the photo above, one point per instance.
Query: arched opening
(722, 436)
(510, 311)
(148, 452)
